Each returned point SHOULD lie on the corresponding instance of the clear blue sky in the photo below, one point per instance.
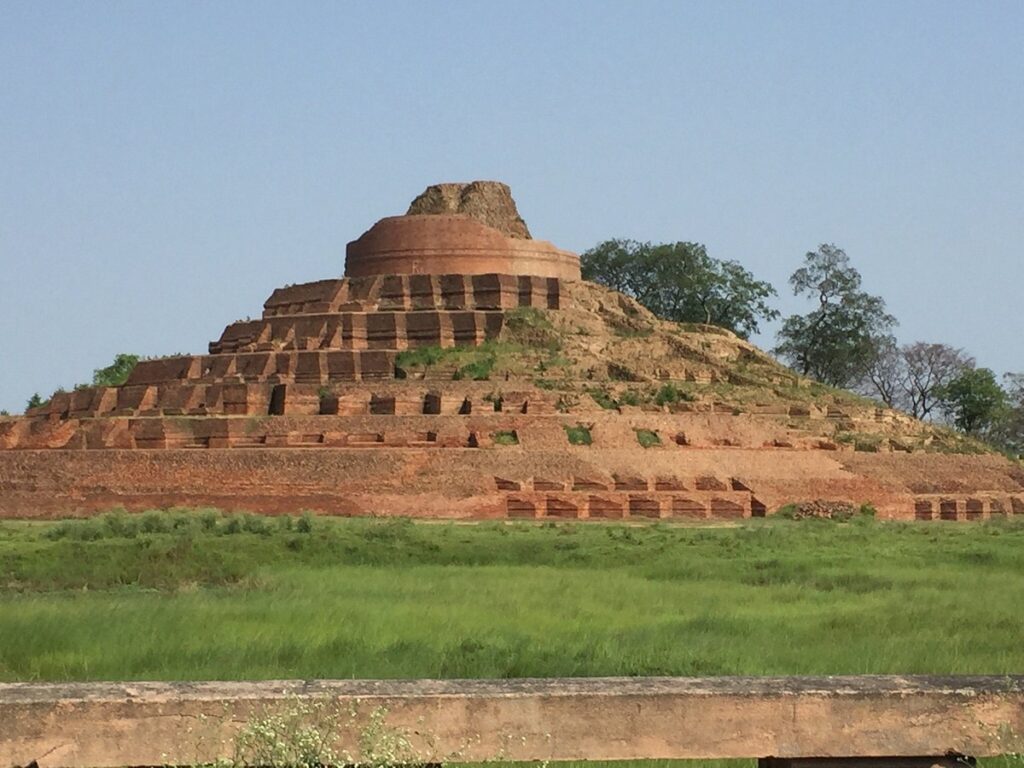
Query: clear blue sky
(166, 165)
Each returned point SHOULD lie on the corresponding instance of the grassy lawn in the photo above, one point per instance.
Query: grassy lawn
(194, 595)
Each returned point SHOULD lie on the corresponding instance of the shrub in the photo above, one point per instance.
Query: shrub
(208, 519)
(647, 438)
(579, 435)
(154, 521)
(630, 397)
(603, 398)
(255, 524)
(669, 393)
(232, 526)
(867, 443)
(305, 522)
(477, 370)
(421, 356)
(505, 437)
(119, 524)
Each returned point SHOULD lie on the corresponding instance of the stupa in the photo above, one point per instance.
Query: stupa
(461, 369)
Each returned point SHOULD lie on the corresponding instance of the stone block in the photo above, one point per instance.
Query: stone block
(495, 291)
(455, 292)
(342, 365)
(423, 292)
(426, 329)
(133, 399)
(353, 330)
(386, 330)
(924, 509)
(466, 330)
(604, 507)
(729, 508)
(520, 507)
(311, 367)
(376, 364)
(688, 507)
(562, 506)
(644, 506)
(394, 293)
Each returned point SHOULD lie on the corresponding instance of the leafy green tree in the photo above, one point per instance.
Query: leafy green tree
(115, 374)
(1010, 431)
(681, 282)
(34, 402)
(974, 401)
(840, 339)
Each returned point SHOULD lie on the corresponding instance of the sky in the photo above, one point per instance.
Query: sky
(164, 166)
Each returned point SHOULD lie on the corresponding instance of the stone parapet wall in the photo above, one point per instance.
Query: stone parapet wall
(895, 721)
(439, 291)
(345, 330)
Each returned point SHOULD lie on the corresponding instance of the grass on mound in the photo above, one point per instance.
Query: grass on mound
(200, 595)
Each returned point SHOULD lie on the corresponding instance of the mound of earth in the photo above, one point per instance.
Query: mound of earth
(484, 394)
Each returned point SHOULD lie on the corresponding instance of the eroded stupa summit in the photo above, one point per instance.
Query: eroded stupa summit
(461, 368)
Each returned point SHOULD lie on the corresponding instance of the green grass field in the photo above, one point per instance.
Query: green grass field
(196, 595)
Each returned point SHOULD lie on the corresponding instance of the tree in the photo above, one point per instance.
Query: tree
(909, 377)
(115, 374)
(886, 374)
(1008, 431)
(838, 341)
(930, 368)
(681, 282)
(34, 402)
(974, 401)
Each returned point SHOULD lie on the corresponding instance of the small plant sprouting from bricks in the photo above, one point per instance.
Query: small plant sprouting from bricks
(647, 438)
(505, 437)
(311, 734)
(579, 435)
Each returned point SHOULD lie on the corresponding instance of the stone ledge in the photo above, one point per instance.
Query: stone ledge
(103, 725)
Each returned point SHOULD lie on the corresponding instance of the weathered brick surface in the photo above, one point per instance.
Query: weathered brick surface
(300, 408)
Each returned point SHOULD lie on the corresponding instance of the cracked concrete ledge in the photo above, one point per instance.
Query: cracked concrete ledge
(105, 725)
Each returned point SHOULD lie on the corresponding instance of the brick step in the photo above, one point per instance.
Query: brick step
(979, 505)
(361, 330)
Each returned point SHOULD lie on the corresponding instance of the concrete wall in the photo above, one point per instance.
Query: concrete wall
(107, 725)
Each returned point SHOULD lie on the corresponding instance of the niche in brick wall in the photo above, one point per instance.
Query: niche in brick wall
(277, 395)
(975, 509)
(947, 509)
(923, 510)
(432, 403)
(380, 404)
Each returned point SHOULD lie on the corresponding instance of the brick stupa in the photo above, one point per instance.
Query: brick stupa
(462, 369)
